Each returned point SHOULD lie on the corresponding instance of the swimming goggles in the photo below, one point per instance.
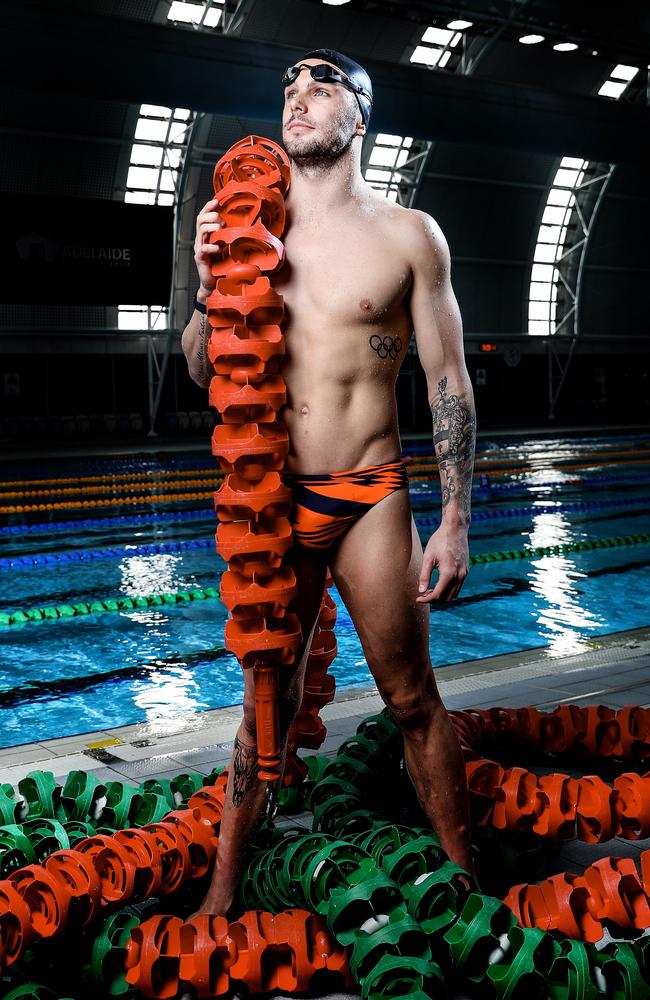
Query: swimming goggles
(326, 74)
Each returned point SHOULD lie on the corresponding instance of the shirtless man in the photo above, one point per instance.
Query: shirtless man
(361, 275)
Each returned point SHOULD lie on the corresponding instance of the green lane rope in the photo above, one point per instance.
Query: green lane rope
(56, 612)
(587, 545)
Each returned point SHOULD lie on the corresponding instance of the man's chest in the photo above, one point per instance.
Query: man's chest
(349, 276)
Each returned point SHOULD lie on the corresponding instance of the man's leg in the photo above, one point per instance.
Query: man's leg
(376, 568)
(245, 793)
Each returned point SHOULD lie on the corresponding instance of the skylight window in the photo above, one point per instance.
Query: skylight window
(623, 72)
(141, 317)
(160, 135)
(437, 36)
(550, 247)
(160, 140)
(436, 45)
(196, 13)
(560, 212)
(612, 88)
(388, 155)
(618, 81)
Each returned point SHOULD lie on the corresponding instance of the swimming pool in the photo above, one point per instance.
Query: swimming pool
(166, 663)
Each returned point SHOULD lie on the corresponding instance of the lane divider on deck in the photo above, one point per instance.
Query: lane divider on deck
(55, 612)
(171, 547)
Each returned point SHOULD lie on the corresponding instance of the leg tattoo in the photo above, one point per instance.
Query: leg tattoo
(245, 770)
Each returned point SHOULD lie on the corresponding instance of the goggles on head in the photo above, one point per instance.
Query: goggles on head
(326, 74)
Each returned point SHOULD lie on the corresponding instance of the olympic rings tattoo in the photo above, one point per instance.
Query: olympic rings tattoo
(386, 347)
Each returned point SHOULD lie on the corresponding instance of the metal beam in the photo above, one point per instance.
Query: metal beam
(135, 61)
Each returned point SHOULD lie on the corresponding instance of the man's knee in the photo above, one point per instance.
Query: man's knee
(248, 724)
(415, 709)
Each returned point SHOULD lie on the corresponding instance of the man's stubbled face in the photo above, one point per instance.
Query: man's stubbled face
(331, 112)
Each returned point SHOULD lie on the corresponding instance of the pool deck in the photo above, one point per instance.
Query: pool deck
(615, 671)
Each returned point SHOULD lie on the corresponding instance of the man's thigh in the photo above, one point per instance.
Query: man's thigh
(376, 569)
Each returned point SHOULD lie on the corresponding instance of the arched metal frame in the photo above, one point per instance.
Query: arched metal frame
(588, 198)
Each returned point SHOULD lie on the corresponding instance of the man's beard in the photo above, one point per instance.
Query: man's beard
(323, 152)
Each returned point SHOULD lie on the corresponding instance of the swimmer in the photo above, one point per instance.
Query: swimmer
(361, 276)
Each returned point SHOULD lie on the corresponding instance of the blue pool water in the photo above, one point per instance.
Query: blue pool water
(164, 664)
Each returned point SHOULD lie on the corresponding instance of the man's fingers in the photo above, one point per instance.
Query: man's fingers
(207, 249)
(428, 564)
(442, 591)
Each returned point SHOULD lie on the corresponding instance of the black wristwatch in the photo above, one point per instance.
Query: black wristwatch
(200, 306)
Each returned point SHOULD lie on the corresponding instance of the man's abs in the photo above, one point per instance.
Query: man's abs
(347, 328)
(332, 428)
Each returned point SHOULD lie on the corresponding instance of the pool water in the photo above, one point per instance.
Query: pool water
(164, 664)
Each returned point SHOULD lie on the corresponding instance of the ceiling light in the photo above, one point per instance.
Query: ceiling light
(335, 3)
(565, 46)
(531, 39)
(458, 25)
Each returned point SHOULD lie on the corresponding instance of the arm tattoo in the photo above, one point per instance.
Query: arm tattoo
(454, 435)
(202, 352)
(244, 769)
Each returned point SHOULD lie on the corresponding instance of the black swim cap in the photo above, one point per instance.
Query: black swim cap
(355, 72)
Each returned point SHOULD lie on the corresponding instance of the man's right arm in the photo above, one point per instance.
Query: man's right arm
(196, 334)
(194, 342)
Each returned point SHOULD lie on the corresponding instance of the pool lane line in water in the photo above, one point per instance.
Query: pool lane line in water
(73, 556)
(37, 690)
(129, 487)
(115, 605)
(122, 502)
(111, 605)
(486, 461)
(180, 545)
(485, 489)
(481, 489)
(113, 479)
(415, 461)
(495, 467)
(202, 514)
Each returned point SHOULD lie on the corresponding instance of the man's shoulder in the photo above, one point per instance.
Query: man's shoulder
(422, 235)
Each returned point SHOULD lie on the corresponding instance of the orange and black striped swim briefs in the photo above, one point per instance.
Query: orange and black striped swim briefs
(326, 504)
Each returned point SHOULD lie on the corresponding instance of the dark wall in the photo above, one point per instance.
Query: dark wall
(600, 389)
(489, 205)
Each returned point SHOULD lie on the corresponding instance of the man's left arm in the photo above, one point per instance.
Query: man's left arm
(439, 337)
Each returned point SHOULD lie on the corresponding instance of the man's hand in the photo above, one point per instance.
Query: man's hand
(208, 221)
(447, 549)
